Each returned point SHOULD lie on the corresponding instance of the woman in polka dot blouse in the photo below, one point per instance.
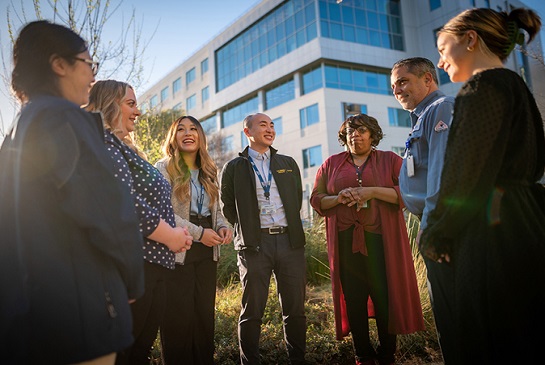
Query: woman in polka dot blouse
(188, 333)
(117, 103)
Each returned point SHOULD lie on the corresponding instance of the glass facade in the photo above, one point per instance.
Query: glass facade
(238, 112)
(351, 78)
(399, 118)
(309, 115)
(372, 22)
(312, 157)
(280, 94)
(190, 76)
(191, 102)
(153, 102)
(312, 80)
(281, 31)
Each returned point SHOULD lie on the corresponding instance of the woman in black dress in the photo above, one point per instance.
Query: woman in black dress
(490, 220)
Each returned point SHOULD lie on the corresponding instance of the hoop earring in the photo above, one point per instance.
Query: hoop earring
(470, 49)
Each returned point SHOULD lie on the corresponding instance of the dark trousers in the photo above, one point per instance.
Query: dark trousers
(147, 316)
(277, 257)
(187, 334)
(441, 290)
(363, 276)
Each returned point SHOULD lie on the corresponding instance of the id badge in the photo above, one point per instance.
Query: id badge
(410, 166)
(267, 209)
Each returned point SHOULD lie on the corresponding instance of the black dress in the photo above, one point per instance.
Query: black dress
(491, 220)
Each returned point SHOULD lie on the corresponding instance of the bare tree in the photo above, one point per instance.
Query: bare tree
(120, 58)
(219, 149)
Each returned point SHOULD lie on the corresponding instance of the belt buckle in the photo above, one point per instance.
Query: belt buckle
(275, 230)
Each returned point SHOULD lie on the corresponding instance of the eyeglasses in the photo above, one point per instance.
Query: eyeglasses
(94, 65)
(360, 130)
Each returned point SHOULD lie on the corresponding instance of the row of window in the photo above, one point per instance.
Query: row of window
(177, 85)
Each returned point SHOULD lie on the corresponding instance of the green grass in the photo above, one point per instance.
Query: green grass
(322, 347)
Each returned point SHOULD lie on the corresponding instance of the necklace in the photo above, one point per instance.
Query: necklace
(359, 169)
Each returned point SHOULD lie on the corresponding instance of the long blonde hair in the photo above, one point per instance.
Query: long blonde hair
(106, 96)
(177, 169)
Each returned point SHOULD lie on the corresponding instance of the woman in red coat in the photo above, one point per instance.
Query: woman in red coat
(372, 272)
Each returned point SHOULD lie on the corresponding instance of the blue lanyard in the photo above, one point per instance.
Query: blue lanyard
(266, 186)
(200, 197)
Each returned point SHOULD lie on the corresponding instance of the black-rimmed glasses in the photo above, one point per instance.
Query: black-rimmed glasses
(94, 65)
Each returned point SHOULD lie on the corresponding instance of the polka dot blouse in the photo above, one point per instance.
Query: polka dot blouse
(152, 196)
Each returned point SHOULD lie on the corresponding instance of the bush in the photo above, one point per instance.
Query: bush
(322, 346)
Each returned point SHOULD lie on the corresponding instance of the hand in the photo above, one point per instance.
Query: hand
(210, 238)
(361, 196)
(226, 235)
(431, 251)
(345, 196)
(181, 240)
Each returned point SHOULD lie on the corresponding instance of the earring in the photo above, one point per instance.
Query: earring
(470, 49)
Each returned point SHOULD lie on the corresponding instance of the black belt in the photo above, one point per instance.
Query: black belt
(275, 230)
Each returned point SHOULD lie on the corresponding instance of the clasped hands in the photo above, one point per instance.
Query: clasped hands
(354, 196)
(210, 238)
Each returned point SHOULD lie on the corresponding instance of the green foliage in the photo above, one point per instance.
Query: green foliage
(151, 131)
(322, 346)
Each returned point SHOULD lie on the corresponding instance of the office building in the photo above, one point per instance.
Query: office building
(308, 64)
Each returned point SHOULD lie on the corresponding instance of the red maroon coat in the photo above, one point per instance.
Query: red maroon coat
(405, 311)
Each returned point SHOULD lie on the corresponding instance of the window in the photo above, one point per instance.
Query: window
(350, 109)
(190, 76)
(153, 102)
(312, 157)
(164, 94)
(191, 102)
(204, 94)
(284, 29)
(238, 112)
(372, 22)
(399, 150)
(356, 79)
(243, 140)
(209, 124)
(444, 78)
(204, 66)
(177, 106)
(312, 80)
(399, 118)
(229, 143)
(278, 125)
(280, 94)
(176, 86)
(435, 4)
(309, 115)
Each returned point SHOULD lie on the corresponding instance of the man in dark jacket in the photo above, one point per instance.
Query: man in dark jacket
(261, 193)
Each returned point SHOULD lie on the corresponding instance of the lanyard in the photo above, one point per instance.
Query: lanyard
(200, 197)
(359, 170)
(266, 186)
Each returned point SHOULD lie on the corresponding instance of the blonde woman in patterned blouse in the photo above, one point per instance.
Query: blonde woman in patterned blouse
(188, 333)
(162, 239)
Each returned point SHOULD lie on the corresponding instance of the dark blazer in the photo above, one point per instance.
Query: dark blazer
(239, 198)
(71, 251)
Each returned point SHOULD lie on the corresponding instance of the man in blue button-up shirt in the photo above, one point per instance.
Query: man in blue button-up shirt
(414, 84)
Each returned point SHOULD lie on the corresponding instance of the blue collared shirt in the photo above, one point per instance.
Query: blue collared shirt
(430, 121)
(263, 163)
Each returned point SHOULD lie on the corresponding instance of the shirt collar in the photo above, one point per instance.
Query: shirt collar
(258, 156)
(424, 103)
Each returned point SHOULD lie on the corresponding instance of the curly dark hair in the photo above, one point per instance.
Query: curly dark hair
(360, 120)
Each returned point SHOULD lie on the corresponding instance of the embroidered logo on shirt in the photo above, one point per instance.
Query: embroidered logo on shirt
(441, 126)
(283, 171)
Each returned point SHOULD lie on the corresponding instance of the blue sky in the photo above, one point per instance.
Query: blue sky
(183, 26)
